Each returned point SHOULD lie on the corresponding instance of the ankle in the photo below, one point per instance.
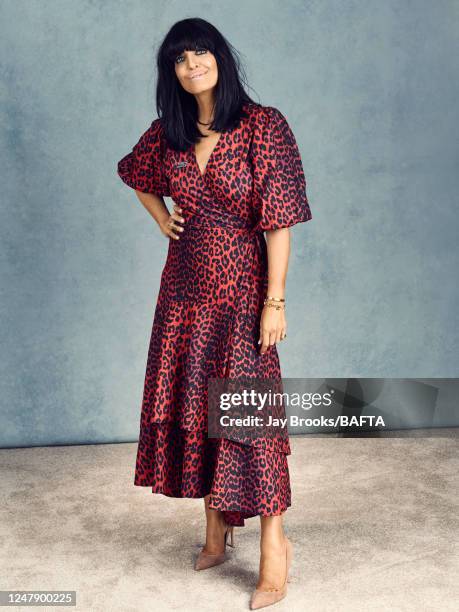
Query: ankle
(273, 544)
(216, 519)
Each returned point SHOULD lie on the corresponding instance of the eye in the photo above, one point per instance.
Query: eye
(200, 51)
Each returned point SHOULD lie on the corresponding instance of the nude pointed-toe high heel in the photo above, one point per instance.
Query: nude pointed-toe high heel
(206, 560)
(261, 598)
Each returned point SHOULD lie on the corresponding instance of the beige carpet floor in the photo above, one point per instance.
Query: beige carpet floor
(374, 523)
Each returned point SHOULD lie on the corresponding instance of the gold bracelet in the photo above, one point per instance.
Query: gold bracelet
(275, 300)
(276, 306)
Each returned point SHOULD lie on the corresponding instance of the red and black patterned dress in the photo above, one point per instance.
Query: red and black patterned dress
(207, 316)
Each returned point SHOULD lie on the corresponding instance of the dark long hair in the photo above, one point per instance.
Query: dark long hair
(178, 109)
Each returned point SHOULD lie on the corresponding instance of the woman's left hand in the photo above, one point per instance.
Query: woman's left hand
(273, 327)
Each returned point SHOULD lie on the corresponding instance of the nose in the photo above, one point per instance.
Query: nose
(191, 62)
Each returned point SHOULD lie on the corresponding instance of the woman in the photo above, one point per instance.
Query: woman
(234, 171)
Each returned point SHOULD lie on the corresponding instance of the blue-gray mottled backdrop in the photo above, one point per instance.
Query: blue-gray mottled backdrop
(370, 89)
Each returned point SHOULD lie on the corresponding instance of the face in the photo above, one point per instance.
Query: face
(196, 70)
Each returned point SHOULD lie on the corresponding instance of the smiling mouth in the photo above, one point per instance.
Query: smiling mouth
(195, 76)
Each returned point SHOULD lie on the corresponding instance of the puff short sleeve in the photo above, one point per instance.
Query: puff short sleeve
(279, 183)
(143, 167)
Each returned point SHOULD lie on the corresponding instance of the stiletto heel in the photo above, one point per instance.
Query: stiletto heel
(231, 532)
(206, 560)
(261, 599)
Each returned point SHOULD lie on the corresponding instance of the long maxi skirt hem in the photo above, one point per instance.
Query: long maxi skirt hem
(243, 481)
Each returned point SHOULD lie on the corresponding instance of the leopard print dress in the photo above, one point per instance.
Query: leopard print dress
(207, 315)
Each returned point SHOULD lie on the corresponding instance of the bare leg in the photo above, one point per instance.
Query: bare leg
(215, 529)
(272, 553)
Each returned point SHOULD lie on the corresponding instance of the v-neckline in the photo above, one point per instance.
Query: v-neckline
(209, 159)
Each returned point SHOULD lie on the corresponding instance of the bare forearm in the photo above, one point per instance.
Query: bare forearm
(155, 205)
(278, 246)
